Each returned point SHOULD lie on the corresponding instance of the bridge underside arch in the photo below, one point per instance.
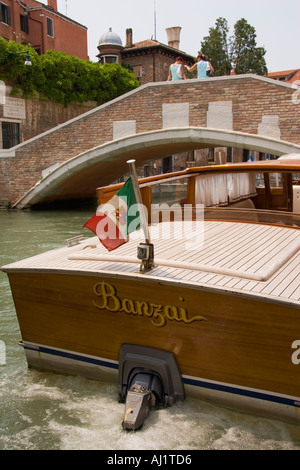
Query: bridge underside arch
(79, 177)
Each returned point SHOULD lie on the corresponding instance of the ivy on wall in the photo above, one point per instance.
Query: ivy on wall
(62, 78)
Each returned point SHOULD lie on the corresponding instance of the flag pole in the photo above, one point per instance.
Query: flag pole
(137, 192)
(145, 250)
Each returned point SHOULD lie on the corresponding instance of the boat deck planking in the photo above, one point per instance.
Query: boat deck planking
(250, 259)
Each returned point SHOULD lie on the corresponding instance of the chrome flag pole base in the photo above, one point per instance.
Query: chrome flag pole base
(145, 252)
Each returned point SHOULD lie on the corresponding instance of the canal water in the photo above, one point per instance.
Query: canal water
(45, 411)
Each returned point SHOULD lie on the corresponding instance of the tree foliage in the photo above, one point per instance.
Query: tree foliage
(216, 47)
(238, 52)
(12, 68)
(246, 56)
(62, 78)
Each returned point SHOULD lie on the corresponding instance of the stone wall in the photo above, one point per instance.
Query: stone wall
(36, 116)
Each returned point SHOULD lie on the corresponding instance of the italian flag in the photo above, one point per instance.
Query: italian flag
(115, 219)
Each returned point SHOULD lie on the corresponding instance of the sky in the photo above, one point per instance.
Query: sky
(276, 23)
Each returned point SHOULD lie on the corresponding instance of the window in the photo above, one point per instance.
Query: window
(229, 155)
(50, 30)
(5, 14)
(109, 59)
(211, 155)
(137, 70)
(167, 164)
(10, 134)
(260, 180)
(275, 180)
(296, 178)
(174, 192)
(24, 24)
(245, 155)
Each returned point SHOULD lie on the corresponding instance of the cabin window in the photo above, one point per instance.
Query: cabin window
(170, 193)
(211, 190)
(241, 186)
(260, 180)
(5, 14)
(275, 180)
(219, 190)
(296, 178)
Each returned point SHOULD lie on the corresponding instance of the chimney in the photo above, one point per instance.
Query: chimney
(52, 4)
(128, 37)
(173, 35)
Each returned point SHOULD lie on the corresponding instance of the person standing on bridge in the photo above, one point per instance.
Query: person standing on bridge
(176, 70)
(204, 67)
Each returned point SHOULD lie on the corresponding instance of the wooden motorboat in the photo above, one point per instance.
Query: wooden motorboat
(216, 313)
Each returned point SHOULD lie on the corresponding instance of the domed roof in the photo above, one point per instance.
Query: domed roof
(110, 38)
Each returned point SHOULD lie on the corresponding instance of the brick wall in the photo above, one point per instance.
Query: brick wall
(150, 67)
(42, 115)
(250, 104)
(68, 35)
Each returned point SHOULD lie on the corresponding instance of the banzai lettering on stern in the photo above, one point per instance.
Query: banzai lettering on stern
(160, 314)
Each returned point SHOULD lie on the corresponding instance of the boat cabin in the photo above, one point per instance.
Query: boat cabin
(270, 185)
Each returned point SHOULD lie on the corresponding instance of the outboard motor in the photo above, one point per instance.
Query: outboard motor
(145, 392)
(148, 378)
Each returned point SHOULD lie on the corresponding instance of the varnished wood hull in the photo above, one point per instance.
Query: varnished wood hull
(231, 347)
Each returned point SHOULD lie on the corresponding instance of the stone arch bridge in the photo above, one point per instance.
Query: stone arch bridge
(158, 119)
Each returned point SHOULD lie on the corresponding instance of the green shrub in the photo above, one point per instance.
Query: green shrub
(62, 78)
(26, 80)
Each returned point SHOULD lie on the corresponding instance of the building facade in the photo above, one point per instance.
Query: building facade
(42, 26)
(149, 59)
(287, 76)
